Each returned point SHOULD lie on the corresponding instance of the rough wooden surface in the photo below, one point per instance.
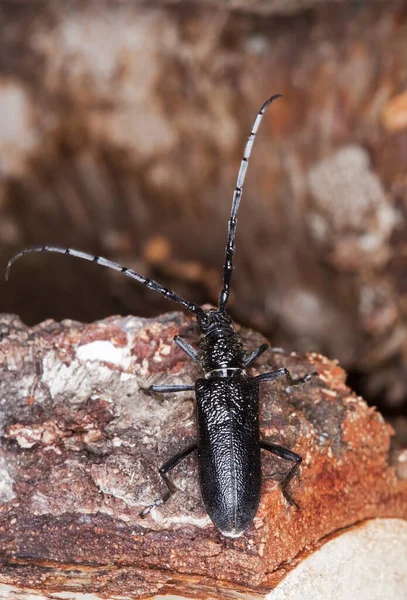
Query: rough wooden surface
(82, 437)
(343, 567)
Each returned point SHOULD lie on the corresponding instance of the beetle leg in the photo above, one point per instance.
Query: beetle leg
(163, 470)
(259, 351)
(278, 373)
(287, 455)
(162, 389)
(255, 354)
(187, 348)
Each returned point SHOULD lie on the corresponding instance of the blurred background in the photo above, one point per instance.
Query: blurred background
(122, 127)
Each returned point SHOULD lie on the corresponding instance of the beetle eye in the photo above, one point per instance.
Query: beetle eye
(204, 322)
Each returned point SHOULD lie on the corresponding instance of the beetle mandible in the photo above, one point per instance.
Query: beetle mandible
(227, 398)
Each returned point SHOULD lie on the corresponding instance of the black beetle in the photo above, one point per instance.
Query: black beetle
(227, 398)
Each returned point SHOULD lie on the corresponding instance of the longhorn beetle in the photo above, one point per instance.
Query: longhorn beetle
(227, 398)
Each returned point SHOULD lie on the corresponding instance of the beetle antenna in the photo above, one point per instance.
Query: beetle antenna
(230, 247)
(150, 283)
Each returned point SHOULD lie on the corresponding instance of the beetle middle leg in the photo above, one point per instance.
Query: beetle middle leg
(162, 389)
(287, 455)
(283, 372)
(163, 470)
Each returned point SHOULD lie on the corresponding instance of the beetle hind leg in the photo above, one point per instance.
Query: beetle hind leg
(287, 455)
(163, 470)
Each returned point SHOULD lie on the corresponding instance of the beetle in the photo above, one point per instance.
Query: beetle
(227, 397)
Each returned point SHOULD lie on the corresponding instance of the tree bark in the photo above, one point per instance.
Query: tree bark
(82, 438)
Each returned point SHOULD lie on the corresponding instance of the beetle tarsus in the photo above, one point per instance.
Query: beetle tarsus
(300, 380)
(163, 470)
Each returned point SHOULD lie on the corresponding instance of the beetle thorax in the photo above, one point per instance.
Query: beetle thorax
(221, 348)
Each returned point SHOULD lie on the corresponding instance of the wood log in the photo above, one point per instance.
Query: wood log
(82, 437)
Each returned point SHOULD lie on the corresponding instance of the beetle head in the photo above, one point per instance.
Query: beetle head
(214, 319)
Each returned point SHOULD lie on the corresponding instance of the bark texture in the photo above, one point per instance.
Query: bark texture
(121, 130)
(82, 437)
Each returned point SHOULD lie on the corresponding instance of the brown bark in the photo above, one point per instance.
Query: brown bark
(82, 438)
(127, 126)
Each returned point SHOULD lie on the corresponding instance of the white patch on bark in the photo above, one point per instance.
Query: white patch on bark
(6, 483)
(105, 351)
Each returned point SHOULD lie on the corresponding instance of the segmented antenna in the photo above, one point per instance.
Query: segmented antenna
(230, 247)
(150, 283)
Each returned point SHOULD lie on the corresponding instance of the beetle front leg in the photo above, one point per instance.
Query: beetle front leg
(278, 373)
(187, 348)
(163, 470)
(255, 354)
(259, 351)
(287, 455)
